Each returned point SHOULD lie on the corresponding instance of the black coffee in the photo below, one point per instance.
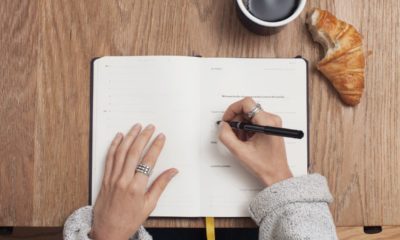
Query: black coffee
(272, 10)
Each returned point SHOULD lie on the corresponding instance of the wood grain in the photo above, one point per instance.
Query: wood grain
(46, 48)
(19, 69)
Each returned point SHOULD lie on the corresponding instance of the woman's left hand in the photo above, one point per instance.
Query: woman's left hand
(124, 203)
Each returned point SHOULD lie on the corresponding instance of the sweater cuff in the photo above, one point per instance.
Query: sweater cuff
(308, 188)
(79, 225)
(141, 234)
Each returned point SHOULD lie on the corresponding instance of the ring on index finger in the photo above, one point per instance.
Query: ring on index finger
(257, 108)
(146, 170)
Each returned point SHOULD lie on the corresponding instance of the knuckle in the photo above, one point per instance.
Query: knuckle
(162, 184)
(119, 152)
(134, 188)
(277, 120)
(134, 152)
(248, 100)
(154, 149)
(230, 107)
(160, 187)
(248, 104)
(121, 184)
(112, 182)
(105, 185)
(149, 158)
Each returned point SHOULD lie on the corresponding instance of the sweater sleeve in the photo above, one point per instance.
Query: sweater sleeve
(78, 226)
(296, 208)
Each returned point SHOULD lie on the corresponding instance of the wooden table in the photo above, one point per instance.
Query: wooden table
(46, 48)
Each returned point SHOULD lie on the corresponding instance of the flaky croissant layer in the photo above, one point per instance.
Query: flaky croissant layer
(344, 61)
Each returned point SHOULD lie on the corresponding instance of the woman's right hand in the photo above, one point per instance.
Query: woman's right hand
(263, 155)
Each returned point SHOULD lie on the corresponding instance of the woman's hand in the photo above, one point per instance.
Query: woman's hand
(264, 155)
(124, 203)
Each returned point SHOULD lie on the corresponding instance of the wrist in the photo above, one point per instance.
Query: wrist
(279, 176)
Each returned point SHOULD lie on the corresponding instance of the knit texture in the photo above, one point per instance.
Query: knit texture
(296, 208)
(78, 226)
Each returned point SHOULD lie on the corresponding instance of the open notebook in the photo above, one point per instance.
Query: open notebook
(184, 97)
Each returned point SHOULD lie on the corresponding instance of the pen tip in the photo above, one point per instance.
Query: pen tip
(218, 122)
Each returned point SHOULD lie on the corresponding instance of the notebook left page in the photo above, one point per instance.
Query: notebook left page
(157, 90)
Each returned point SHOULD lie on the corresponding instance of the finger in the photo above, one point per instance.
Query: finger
(242, 135)
(229, 139)
(158, 187)
(238, 132)
(150, 159)
(267, 119)
(135, 152)
(249, 135)
(244, 106)
(122, 151)
(239, 108)
(110, 157)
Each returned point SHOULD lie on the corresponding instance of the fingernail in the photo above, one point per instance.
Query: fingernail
(174, 173)
(117, 136)
(161, 136)
(150, 126)
(137, 125)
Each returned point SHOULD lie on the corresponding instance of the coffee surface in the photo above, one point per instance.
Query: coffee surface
(272, 10)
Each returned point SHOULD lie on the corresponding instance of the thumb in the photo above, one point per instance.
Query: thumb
(229, 138)
(158, 187)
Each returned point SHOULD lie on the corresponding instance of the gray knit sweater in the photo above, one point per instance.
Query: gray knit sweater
(296, 208)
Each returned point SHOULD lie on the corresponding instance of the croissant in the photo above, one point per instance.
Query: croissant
(344, 62)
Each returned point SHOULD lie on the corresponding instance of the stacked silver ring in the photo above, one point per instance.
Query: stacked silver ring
(146, 170)
(257, 108)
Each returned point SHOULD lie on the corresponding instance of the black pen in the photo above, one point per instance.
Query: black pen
(282, 132)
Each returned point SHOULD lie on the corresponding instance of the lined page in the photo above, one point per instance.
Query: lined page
(157, 90)
(280, 86)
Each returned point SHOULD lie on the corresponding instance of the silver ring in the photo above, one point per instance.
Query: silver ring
(146, 170)
(257, 108)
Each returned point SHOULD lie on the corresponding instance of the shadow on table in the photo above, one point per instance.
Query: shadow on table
(48, 233)
(200, 233)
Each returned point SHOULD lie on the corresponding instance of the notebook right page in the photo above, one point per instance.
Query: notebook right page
(280, 86)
